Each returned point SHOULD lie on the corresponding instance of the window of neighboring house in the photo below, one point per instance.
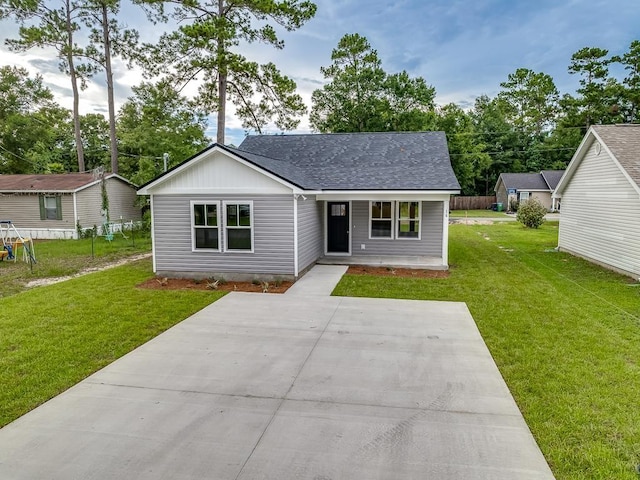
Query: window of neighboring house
(50, 207)
(238, 226)
(381, 220)
(205, 225)
(524, 196)
(408, 220)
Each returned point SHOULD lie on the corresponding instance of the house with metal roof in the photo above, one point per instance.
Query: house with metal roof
(52, 205)
(276, 205)
(513, 188)
(600, 194)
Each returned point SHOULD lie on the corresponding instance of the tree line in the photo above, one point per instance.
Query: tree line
(528, 126)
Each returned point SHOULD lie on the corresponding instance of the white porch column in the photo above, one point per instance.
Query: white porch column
(445, 233)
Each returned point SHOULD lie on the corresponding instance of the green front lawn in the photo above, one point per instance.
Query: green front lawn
(56, 258)
(564, 333)
(53, 337)
(476, 214)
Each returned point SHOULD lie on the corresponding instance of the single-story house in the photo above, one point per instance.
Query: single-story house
(518, 187)
(51, 205)
(600, 194)
(277, 204)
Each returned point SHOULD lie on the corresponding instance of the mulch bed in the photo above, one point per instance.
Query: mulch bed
(160, 283)
(396, 272)
(189, 284)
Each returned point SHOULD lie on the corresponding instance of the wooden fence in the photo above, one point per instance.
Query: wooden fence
(471, 203)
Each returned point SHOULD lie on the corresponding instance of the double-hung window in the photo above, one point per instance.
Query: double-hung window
(205, 225)
(238, 226)
(50, 207)
(381, 220)
(408, 220)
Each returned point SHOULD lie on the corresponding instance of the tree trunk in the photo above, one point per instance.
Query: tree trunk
(74, 87)
(110, 100)
(222, 81)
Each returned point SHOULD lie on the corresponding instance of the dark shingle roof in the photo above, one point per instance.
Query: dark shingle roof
(624, 142)
(552, 177)
(524, 181)
(355, 161)
(61, 182)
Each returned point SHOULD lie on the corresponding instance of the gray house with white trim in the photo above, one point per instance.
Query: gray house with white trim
(600, 194)
(520, 187)
(278, 204)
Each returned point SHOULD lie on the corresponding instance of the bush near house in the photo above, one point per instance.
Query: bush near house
(531, 213)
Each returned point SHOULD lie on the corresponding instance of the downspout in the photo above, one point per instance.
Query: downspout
(295, 236)
(445, 233)
(75, 214)
(153, 235)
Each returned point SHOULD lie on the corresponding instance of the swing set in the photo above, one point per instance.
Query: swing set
(11, 242)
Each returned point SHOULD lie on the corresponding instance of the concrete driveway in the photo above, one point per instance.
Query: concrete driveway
(294, 386)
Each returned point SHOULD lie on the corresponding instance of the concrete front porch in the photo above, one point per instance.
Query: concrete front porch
(397, 261)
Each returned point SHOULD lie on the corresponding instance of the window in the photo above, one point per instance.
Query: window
(50, 207)
(524, 196)
(381, 224)
(408, 220)
(239, 226)
(206, 230)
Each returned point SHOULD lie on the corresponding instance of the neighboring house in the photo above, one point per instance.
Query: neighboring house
(601, 199)
(51, 205)
(518, 187)
(277, 204)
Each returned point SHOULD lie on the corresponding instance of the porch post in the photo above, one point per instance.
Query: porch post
(295, 236)
(445, 233)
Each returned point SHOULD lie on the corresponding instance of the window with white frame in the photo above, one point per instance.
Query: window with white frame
(205, 225)
(408, 225)
(238, 226)
(381, 220)
(524, 196)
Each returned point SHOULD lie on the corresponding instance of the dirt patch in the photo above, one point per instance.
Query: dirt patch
(396, 272)
(471, 221)
(190, 284)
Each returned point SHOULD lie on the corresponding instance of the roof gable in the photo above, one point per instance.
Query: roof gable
(216, 170)
(621, 143)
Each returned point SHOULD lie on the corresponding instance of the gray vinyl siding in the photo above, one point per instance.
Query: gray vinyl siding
(122, 198)
(273, 237)
(121, 203)
(310, 240)
(24, 211)
(599, 212)
(89, 205)
(430, 243)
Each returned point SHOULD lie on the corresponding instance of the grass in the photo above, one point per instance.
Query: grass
(476, 214)
(56, 258)
(564, 333)
(52, 337)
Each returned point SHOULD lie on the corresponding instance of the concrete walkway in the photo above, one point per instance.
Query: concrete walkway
(320, 280)
(294, 386)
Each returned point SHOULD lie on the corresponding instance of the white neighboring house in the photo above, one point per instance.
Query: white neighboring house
(600, 195)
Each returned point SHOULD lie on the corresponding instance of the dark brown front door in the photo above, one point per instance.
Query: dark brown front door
(337, 227)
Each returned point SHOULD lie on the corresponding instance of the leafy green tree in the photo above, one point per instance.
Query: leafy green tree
(108, 38)
(361, 97)
(599, 96)
(56, 27)
(33, 127)
(531, 99)
(154, 121)
(204, 48)
(469, 160)
(631, 62)
(96, 140)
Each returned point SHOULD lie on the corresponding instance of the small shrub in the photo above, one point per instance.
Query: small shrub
(531, 213)
(513, 205)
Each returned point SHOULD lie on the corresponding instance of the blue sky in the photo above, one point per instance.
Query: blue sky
(463, 48)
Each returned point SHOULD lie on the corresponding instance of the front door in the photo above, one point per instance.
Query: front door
(337, 227)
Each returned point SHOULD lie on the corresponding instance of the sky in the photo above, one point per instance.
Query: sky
(463, 48)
